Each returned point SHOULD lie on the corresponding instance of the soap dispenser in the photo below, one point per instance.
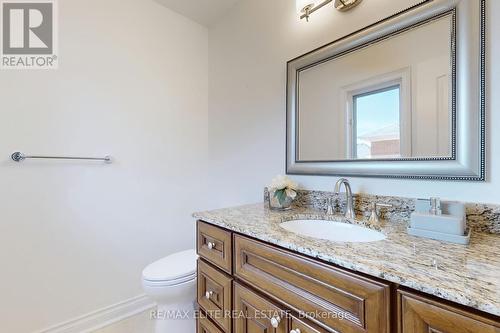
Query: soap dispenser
(440, 220)
(435, 206)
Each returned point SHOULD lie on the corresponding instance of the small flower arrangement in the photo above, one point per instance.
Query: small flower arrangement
(282, 192)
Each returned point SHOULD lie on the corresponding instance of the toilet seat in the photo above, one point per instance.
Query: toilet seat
(172, 270)
(173, 283)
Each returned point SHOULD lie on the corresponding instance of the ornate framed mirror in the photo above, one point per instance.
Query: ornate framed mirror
(403, 98)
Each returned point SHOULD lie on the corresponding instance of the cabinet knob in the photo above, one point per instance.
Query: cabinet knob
(295, 331)
(211, 245)
(209, 294)
(275, 321)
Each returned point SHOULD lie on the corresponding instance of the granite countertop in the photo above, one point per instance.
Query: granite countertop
(468, 275)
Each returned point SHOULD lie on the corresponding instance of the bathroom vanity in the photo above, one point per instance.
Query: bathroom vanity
(255, 276)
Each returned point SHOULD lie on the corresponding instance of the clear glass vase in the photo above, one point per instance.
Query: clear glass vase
(275, 204)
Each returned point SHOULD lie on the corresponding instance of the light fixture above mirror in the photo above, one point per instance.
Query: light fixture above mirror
(306, 7)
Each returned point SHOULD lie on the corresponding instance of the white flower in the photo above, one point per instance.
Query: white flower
(283, 182)
(291, 184)
(290, 193)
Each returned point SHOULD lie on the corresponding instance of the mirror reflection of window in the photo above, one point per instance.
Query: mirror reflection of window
(422, 120)
(376, 124)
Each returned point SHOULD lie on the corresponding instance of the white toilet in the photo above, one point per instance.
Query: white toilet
(171, 282)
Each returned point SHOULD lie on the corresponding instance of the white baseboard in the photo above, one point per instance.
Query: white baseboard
(103, 317)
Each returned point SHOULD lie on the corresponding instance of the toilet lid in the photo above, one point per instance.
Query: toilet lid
(173, 267)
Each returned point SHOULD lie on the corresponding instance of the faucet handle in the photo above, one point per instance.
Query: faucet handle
(329, 206)
(374, 218)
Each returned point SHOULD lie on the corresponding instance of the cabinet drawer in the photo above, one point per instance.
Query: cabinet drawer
(214, 294)
(299, 326)
(255, 314)
(206, 326)
(417, 314)
(331, 297)
(215, 245)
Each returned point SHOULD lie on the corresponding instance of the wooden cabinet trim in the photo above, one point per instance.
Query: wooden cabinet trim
(205, 325)
(418, 314)
(303, 326)
(253, 312)
(220, 253)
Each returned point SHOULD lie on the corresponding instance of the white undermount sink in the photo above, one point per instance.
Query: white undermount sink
(333, 231)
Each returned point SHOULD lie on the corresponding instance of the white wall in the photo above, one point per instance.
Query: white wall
(248, 53)
(74, 237)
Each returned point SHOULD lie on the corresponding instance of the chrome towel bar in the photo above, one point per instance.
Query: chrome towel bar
(19, 157)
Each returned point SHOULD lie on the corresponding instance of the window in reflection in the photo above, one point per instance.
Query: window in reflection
(376, 124)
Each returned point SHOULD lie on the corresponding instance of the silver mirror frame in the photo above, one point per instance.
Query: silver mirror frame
(469, 103)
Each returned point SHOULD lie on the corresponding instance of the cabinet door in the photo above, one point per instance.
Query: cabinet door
(254, 314)
(214, 294)
(421, 315)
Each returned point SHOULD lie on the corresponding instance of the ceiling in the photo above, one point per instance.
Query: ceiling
(205, 12)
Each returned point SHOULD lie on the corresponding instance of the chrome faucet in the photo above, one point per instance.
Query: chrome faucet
(349, 211)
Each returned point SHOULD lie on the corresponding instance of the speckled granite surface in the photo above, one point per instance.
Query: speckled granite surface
(480, 217)
(468, 275)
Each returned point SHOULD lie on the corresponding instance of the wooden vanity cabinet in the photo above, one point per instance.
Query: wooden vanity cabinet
(266, 289)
